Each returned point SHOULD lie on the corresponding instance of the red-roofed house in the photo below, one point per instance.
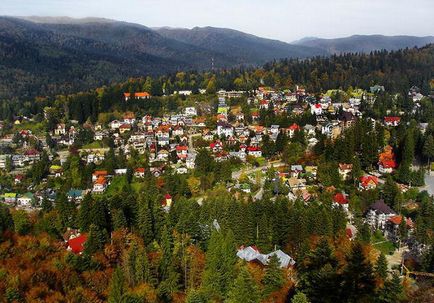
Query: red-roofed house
(254, 151)
(139, 95)
(392, 121)
(368, 182)
(292, 129)
(182, 151)
(76, 244)
(340, 199)
(139, 172)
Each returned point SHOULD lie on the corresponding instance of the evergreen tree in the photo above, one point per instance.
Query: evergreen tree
(299, 298)
(117, 287)
(392, 292)
(274, 278)
(359, 283)
(144, 222)
(381, 267)
(428, 149)
(95, 240)
(244, 289)
(84, 217)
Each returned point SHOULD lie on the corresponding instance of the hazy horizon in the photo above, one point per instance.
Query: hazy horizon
(276, 19)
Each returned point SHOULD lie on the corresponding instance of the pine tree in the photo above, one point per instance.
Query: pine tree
(274, 278)
(428, 149)
(117, 286)
(299, 298)
(381, 267)
(144, 222)
(358, 276)
(244, 289)
(95, 240)
(219, 267)
(393, 291)
(84, 217)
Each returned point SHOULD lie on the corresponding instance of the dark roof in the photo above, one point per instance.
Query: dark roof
(381, 207)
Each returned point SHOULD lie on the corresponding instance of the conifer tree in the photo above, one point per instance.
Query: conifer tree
(299, 298)
(244, 289)
(381, 267)
(117, 286)
(274, 278)
(144, 222)
(84, 218)
(358, 276)
(95, 240)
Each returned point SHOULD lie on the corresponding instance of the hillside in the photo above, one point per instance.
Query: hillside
(46, 56)
(365, 43)
(247, 49)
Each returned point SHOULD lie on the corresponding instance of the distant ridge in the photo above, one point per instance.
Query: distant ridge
(60, 55)
(365, 43)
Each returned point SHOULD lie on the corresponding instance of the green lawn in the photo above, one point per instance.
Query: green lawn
(93, 145)
(383, 245)
(35, 128)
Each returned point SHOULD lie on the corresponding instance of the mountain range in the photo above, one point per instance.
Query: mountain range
(45, 56)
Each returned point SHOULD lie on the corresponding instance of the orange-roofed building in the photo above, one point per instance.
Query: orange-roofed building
(99, 173)
(138, 95)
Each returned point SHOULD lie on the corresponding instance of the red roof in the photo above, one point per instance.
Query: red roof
(140, 170)
(340, 198)
(318, 105)
(77, 244)
(181, 148)
(388, 164)
(349, 233)
(294, 127)
(142, 94)
(392, 119)
(126, 126)
(168, 197)
(253, 148)
(398, 219)
(367, 179)
(101, 180)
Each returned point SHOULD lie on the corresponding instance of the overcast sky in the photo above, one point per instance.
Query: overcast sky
(285, 20)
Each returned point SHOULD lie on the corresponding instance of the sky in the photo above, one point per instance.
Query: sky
(286, 20)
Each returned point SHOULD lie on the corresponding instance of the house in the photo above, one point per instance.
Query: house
(341, 200)
(181, 151)
(368, 182)
(129, 118)
(124, 128)
(216, 146)
(345, 170)
(60, 129)
(378, 214)
(296, 170)
(167, 202)
(75, 195)
(224, 129)
(99, 173)
(76, 244)
(392, 227)
(4, 160)
(254, 151)
(10, 198)
(190, 111)
(115, 124)
(292, 129)
(392, 121)
(18, 179)
(26, 200)
(56, 170)
(252, 254)
(138, 95)
(387, 163)
(316, 109)
(100, 185)
(139, 172)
